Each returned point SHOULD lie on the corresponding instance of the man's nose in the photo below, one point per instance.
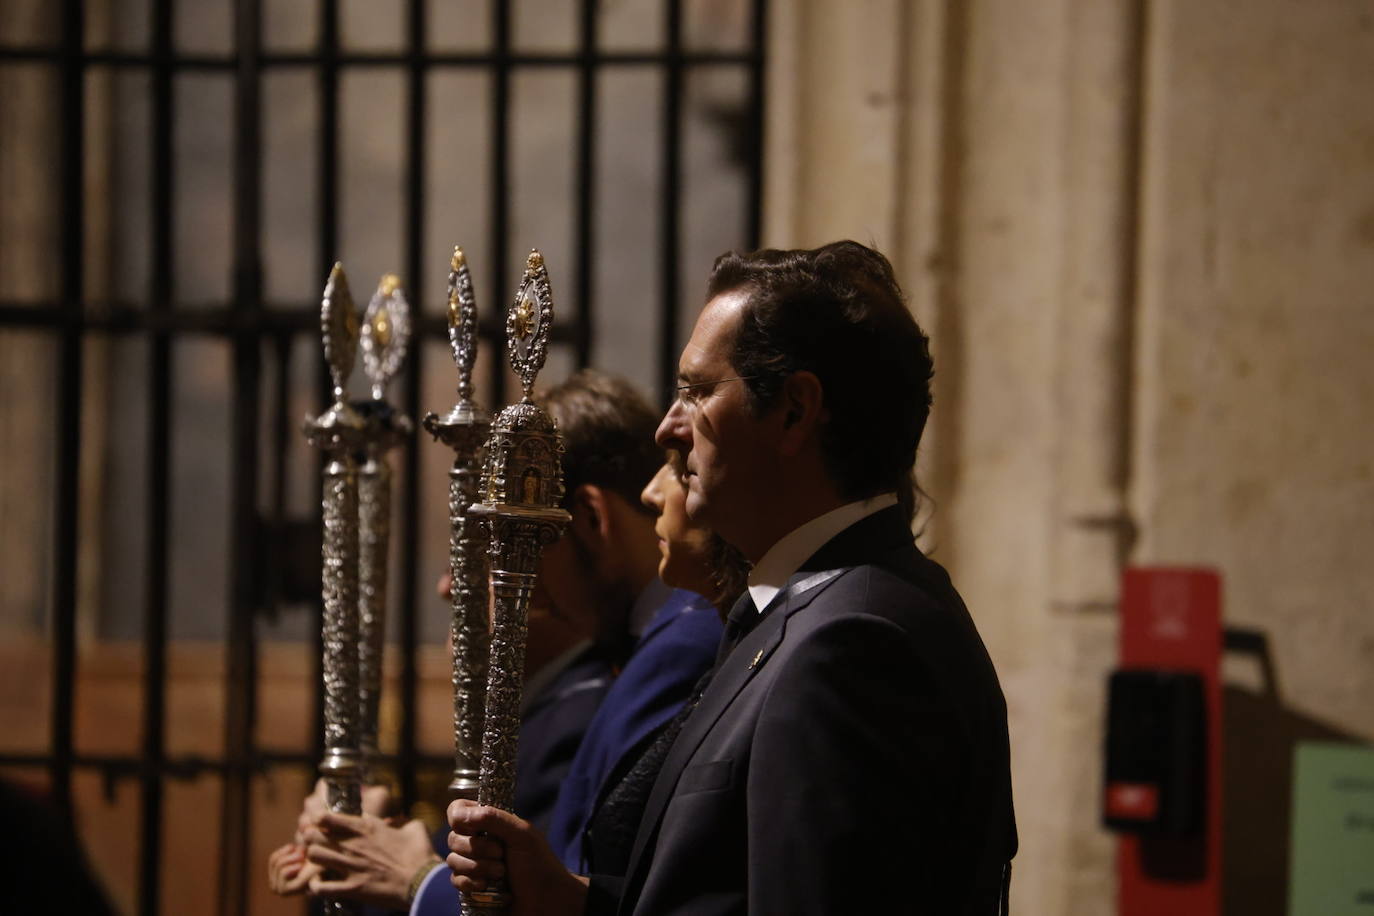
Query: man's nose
(675, 429)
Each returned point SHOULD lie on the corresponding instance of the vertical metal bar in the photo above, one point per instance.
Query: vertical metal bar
(410, 494)
(275, 571)
(500, 187)
(69, 406)
(161, 261)
(328, 166)
(670, 214)
(276, 565)
(329, 242)
(241, 686)
(586, 188)
(757, 80)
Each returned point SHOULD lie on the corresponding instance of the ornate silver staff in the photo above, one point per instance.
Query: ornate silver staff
(522, 485)
(339, 431)
(465, 429)
(385, 338)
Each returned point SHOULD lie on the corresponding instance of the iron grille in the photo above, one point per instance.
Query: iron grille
(251, 327)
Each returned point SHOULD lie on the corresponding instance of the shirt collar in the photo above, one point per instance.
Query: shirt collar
(785, 557)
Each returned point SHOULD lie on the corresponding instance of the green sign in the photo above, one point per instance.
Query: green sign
(1331, 870)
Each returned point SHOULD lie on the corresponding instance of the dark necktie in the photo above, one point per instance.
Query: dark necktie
(743, 617)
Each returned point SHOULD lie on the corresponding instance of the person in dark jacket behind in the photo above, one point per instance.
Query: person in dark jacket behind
(44, 869)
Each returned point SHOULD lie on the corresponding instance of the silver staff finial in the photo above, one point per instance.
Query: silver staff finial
(339, 327)
(462, 321)
(528, 323)
(386, 334)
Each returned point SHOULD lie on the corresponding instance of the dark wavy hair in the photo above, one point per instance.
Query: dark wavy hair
(836, 311)
(608, 434)
(729, 573)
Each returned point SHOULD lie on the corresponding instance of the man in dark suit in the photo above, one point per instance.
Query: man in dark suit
(850, 753)
(675, 650)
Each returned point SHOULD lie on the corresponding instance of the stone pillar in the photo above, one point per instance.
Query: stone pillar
(1092, 531)
(986, 148)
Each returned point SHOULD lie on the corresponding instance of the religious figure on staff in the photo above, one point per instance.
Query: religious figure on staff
(849, 751)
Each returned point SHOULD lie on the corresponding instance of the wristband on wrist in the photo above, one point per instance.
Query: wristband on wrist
(419, 878)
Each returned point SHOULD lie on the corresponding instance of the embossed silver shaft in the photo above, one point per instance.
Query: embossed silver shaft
(342, 764)
(465, 429)
(471, 636)
(385, 339)
(511, 590)
(339, 432)
(374, 534)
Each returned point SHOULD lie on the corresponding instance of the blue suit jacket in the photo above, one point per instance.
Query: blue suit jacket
(677, 647)
(552, 729)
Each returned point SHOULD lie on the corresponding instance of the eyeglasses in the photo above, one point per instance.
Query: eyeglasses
(691, 395)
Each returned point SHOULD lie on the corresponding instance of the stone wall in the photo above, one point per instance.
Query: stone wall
(1142, 237)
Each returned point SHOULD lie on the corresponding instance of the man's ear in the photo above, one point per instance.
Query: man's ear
(803, 410)
(591, 518)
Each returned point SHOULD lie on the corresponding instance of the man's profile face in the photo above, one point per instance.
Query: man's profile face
(724, 446)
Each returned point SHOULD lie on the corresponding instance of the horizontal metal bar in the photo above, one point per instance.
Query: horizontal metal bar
(272, 320)
(229, 62)
(189, 765)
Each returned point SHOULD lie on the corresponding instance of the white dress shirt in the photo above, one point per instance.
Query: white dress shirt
(785, 557)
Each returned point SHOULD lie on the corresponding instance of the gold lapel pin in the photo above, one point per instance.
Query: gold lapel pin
(758, 656)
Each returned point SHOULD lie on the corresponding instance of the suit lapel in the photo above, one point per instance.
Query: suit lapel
(730, 678)
(862, 542)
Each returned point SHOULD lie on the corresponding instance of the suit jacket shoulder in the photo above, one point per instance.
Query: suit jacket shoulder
(851, 752)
